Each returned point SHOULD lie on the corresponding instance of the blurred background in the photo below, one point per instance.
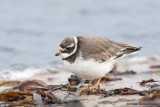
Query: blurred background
(31, 30)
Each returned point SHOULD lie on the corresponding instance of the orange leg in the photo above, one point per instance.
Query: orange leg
(87, 88)
(89, 84)
(96, 86)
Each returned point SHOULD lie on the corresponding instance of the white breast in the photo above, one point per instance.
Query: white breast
(89, 69)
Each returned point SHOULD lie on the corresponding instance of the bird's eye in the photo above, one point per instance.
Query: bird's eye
(68, 48)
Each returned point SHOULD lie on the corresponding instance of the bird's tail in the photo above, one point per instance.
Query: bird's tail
(128, 50)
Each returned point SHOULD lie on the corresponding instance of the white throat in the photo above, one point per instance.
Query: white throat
(66, 55)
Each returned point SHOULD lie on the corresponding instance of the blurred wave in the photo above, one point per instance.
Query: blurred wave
(31, 30)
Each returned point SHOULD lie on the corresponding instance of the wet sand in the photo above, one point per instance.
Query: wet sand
(142, 72)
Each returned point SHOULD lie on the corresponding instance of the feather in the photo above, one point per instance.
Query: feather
(102, 49)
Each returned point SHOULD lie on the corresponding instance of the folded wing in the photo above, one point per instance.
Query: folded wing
(102, 49)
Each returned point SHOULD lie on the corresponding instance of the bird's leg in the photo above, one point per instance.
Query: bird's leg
(96, 86)
(89, 84)
(88, 87)
(94, 90)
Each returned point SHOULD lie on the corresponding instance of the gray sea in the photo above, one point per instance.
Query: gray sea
(31, 30)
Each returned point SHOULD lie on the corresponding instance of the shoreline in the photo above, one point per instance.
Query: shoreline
(142, 72)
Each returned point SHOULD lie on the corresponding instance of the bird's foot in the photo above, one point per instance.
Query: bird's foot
(92, 90)
(84, 91)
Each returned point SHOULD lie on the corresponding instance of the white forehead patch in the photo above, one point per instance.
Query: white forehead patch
(61, 49)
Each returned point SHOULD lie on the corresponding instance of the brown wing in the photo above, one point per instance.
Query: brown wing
(98, 48)
(102, 49)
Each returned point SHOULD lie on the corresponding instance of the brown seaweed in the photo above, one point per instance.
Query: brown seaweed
(146, 81)
(27, 85)
(151, 100)
(155, 66)
(13, 95)
(110, 79)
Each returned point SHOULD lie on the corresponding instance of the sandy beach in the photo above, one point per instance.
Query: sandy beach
(141, 70)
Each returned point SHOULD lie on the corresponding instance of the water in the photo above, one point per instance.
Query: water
(31, 30)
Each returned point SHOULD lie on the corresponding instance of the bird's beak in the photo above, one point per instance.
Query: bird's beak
(59, 53)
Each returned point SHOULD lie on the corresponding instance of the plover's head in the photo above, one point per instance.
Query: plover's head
(67, 47)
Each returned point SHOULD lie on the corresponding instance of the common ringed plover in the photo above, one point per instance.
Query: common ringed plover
(91, 57)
